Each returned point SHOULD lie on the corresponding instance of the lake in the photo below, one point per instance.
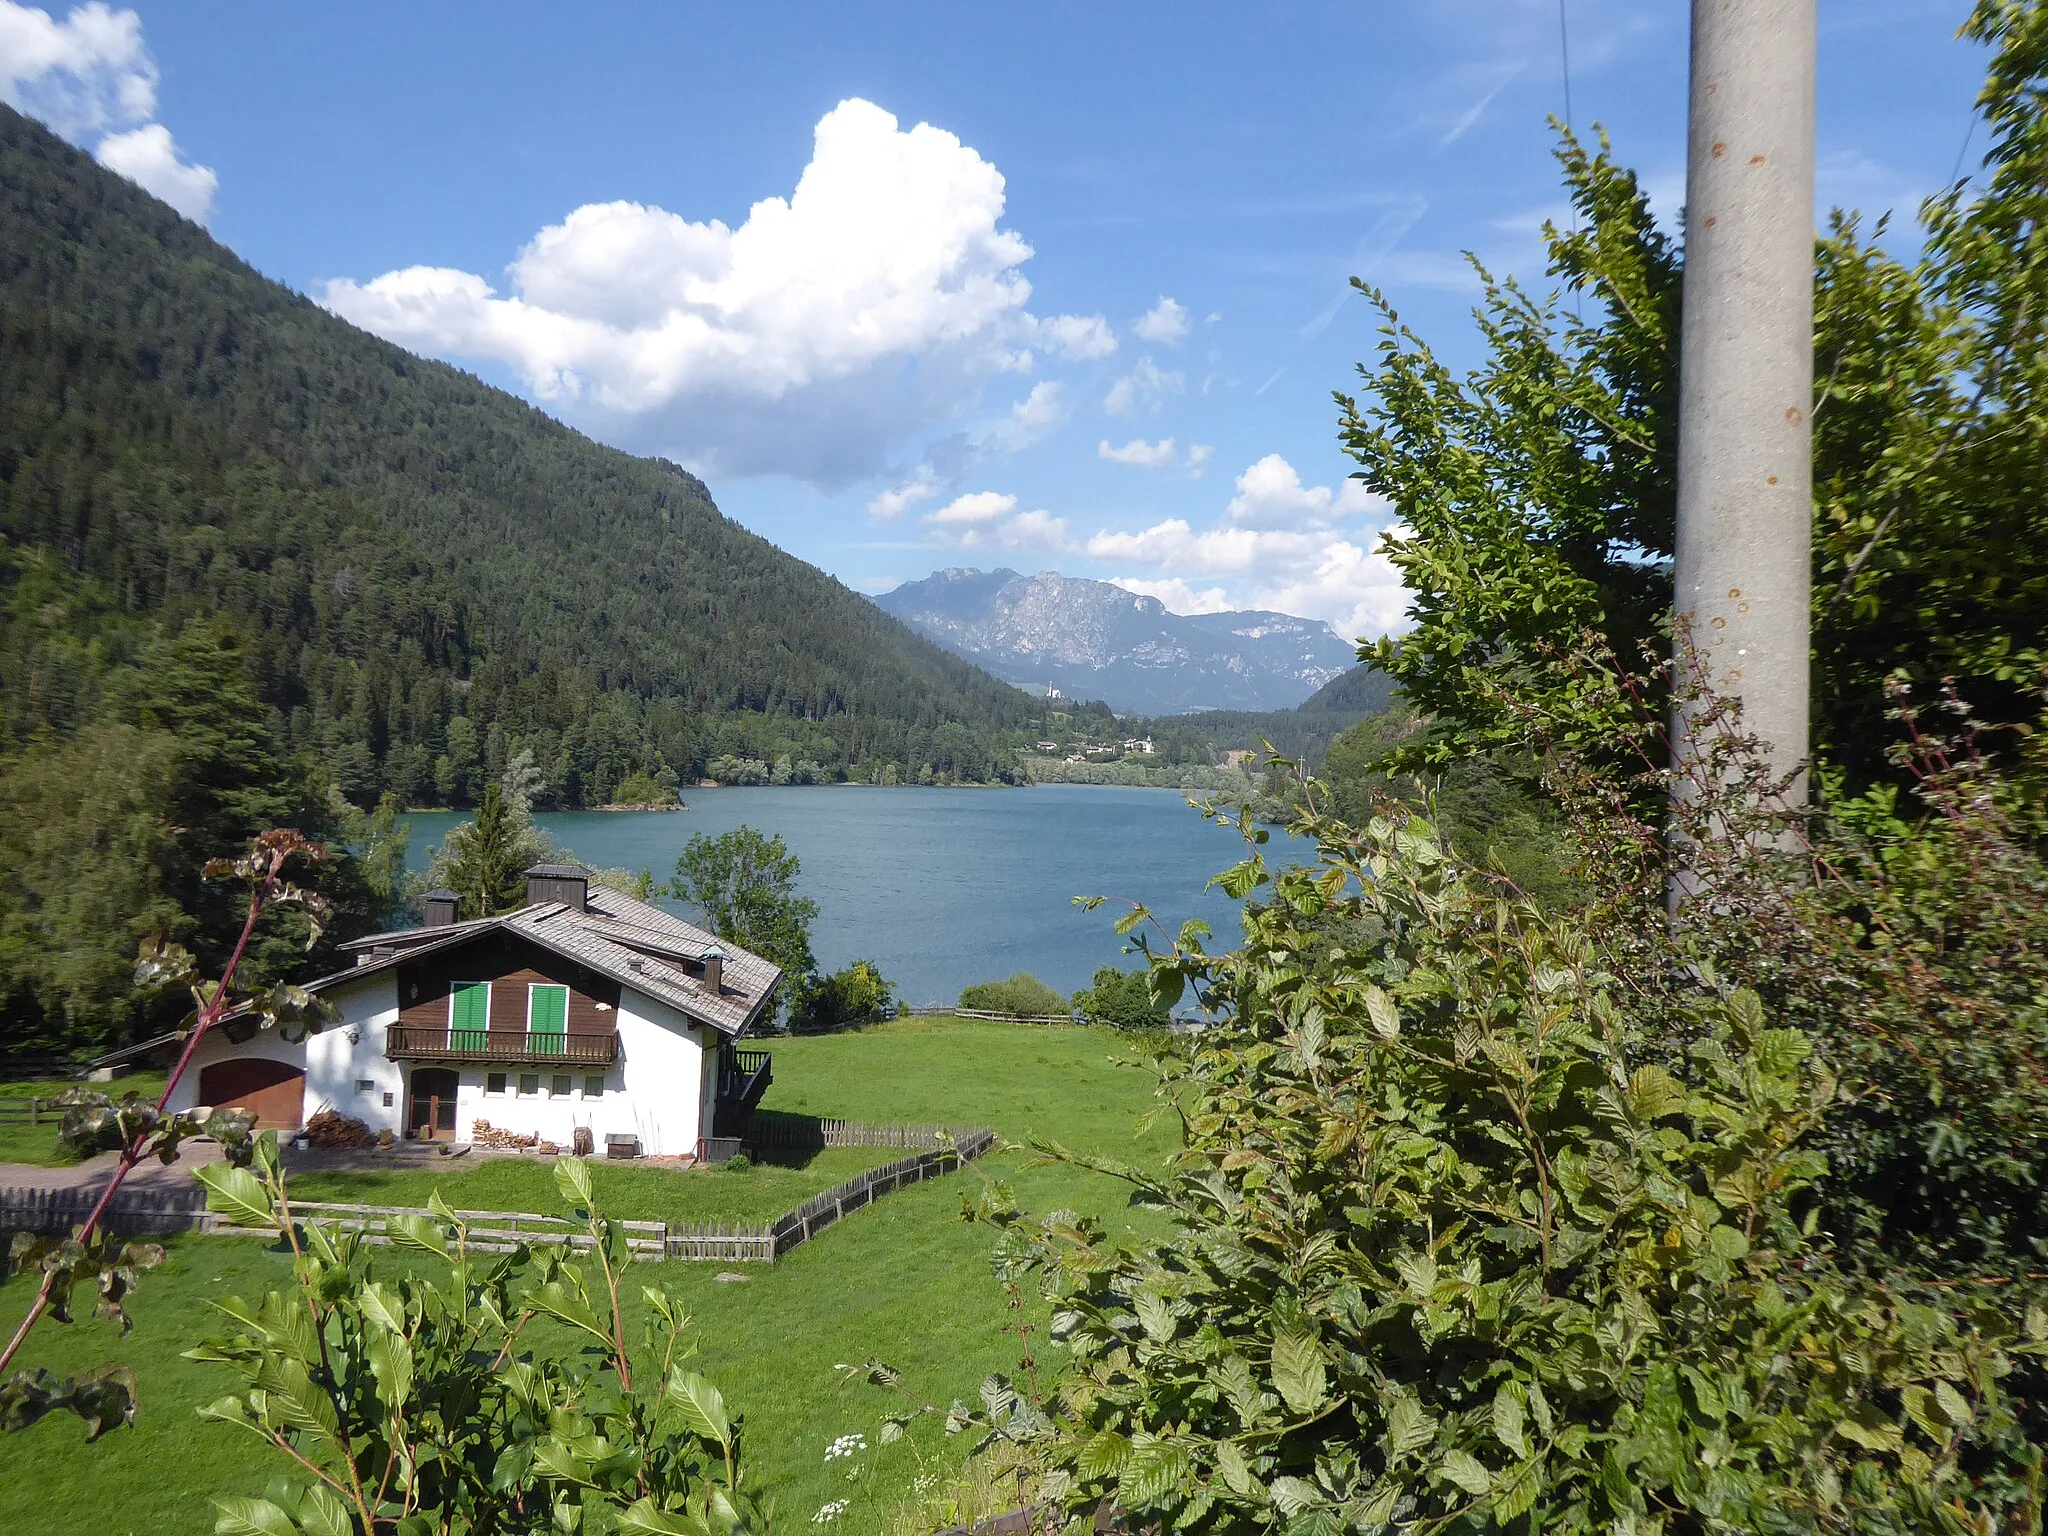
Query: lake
(943, 887)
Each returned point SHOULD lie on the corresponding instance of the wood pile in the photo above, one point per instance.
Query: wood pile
(330, 1128)
(484, 1134)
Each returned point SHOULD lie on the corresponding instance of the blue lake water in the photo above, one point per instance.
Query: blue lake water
(943, 887)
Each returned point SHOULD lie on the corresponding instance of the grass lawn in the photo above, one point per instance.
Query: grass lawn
(906, 1280)
(21, 1142)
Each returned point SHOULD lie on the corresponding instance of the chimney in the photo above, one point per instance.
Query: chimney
(438, 908)
(714, 970)
(566, 883)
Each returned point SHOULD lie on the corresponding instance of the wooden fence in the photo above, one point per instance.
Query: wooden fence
(133, 1210)
(20, 1111)
(944, 1011)
(768, 1128)
(184, 1210)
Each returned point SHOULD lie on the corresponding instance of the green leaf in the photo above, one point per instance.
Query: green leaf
(572, 1178)
(252, 1517)
(391, 1365)
(417, 1232)
(701, 1405)
(1509, 1419)
(322, 1513)
(1409, 1427)
(1103, 1454)
(1467, 1471)
(1515, 1492)
(1380, 1011)
(237, 1194)
(1298, 1372)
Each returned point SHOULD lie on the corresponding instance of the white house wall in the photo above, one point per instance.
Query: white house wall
(333, 1062)
(661, 1090)
(656, 1090)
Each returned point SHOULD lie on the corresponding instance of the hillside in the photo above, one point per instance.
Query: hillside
(1363, 690)
(429, 573)
(1094, 640)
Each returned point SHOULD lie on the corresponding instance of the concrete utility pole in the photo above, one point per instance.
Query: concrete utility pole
(1745, 436)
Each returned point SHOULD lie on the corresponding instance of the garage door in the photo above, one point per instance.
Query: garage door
(273, 1091)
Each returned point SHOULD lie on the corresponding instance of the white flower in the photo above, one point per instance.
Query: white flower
(846, 1445)
(827, 1513)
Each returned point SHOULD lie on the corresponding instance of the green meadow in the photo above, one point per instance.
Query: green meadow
(906, 1280)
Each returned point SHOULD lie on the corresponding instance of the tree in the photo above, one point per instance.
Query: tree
(484, 861)
(744, 883)
(852, 997)
(1538, 490)
(1120, 997)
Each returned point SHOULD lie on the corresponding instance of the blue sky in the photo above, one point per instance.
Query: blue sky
(1048, 286)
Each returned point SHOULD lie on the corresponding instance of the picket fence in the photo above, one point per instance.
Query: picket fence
(184, 1210)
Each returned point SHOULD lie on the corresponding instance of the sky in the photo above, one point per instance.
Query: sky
(1046, 286)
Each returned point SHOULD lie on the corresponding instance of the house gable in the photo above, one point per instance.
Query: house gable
(511, 964)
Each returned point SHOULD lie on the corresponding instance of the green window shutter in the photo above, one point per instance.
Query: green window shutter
(470, 1016)
(548, 1019)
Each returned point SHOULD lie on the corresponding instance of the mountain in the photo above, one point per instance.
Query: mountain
(1092, 640)
(428, 573)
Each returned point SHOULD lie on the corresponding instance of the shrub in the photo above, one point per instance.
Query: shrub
(497, 1394)
(1023, 993)
(850, 998)
(1122, 998)
(739, 1162)
(1473, 1233)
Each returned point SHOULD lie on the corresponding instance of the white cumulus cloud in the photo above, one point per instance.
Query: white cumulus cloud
(1138, 453)
(1160, 455)
(1176, 594)
(1147, 384)
(91, 78)
(1079, 337)
(990, 520)
(1270, 495)
(148, 157)
(873, 301)
(1165, 322)
(974, 507)
(1279, 544)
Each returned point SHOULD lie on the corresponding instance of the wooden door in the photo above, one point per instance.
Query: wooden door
(271, 1090)
(430, 1106)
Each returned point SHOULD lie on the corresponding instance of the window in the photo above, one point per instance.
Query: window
(529, 1085)
(593, 1087)
(494, 1083)
(547, 1019)
(469, 1015)
(366, 1085)
(562, 1085)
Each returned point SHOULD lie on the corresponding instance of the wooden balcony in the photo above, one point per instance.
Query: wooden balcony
(409, 1043)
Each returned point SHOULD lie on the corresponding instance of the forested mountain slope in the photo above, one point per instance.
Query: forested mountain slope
(428, 573)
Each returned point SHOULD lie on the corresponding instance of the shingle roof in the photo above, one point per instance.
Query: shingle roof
(635, 944)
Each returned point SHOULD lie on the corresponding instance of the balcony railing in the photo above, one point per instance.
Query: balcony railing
(413, 1043)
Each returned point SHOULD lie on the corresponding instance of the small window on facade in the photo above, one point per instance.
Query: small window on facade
(366, 1085)
(494, 1082)
(593, 1087)
(562, 1086)
(529, 1084)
